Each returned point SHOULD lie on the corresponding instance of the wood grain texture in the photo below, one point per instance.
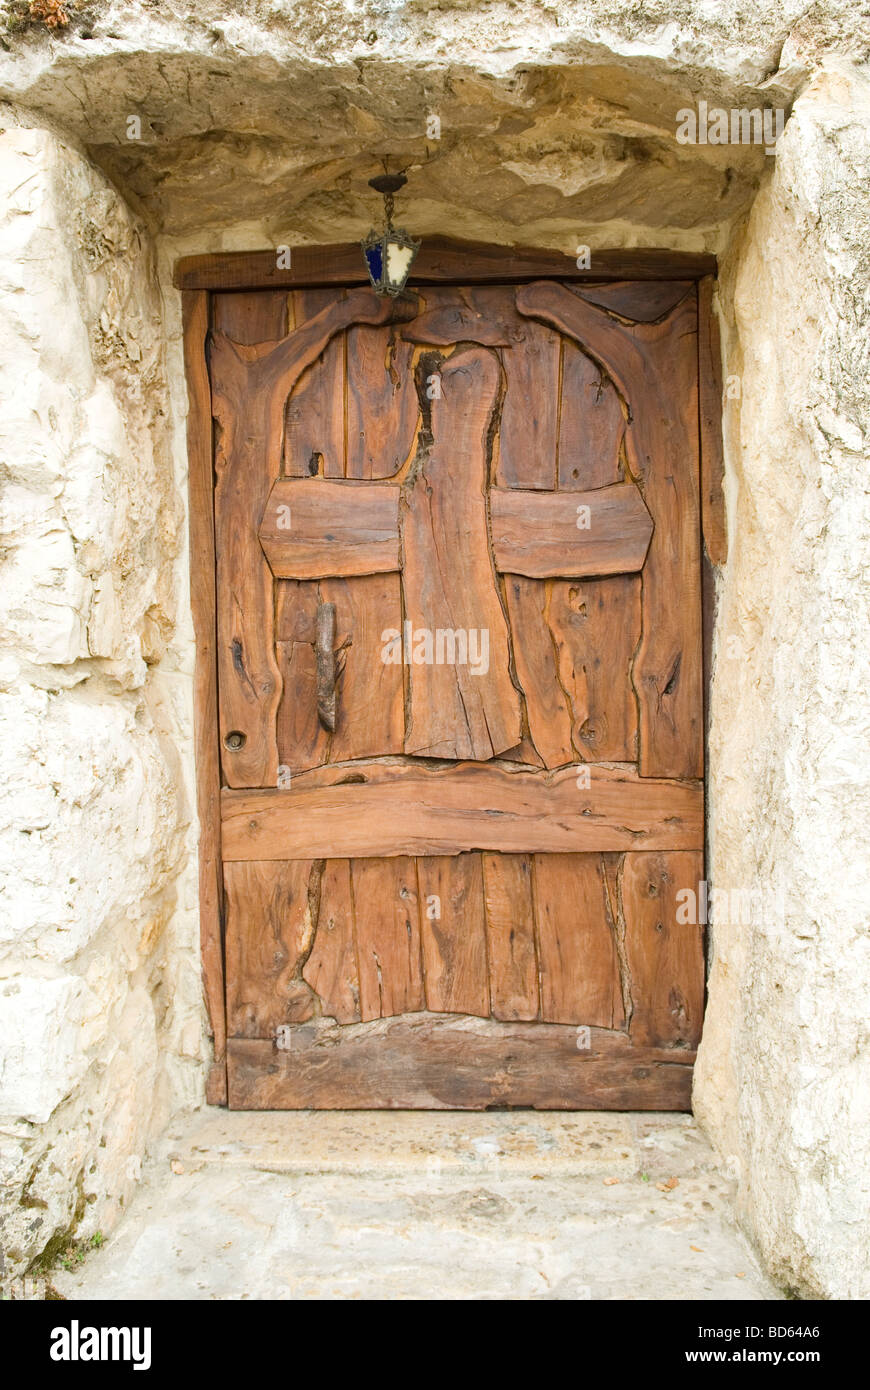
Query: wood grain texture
(483, 314)
(269, 933)
(331, 969)
(195, 312)
(664, 959)
(510, 936)
(387, 937)
(315, 528)
(529, 433)
(642, 301)
(302, 740)
(314, 413)
(453, 932)
(591, 425)
(405, 809)
(456, 709)
(538, 534)
(382, 406)
(713, 518)
(439, 258)
(595, 627)
(547, 708)
(580, 980)
(370, 718)
(437, 1062)
(655, 368)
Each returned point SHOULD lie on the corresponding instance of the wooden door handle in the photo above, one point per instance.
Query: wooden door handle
(325, 653)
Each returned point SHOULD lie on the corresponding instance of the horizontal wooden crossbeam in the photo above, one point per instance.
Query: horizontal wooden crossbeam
(387, 808)
(319, 529)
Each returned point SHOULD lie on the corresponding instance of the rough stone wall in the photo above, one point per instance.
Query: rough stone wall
(783, 1083)
(100, 1008)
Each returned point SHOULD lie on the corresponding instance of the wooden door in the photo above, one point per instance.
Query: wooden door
(460, 694)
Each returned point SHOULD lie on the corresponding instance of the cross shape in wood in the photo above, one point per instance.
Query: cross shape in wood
(450, 536)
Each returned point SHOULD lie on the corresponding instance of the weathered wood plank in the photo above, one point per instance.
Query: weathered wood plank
(591, 424)
(664, 958)
(195, 311)
(483, 314)
(510, 936)
(314, 414)
(434, 1062)
(642, 301)
(387, 937)
(713, 519)
(529, 431)
(315, 528)
(453, 934)
(256, 317)
(331, 969)
(550, 534)
(401, 808)
(580, 981)
(456, 709)
(370, 714)
(269, 932)
(655, 367)
(547, 706)
(439, 258)
(595, 628)
(382, 406)
(302, 740)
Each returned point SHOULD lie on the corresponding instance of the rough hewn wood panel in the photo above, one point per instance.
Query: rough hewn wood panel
(642, 301)
(591, 425)
(314, 414)
(655, 367)
(664, 958)
(483, 314)
(439, 258)
(510, 936)
(302, 740)
(370, 719)
(454, 934)
(404, 809)
(382, 406)
(576, 947)
(269, 931)
(387, 937)
(314, 529)
(195, 311)
(529, 432)
(428, 1062)
(595, 628)
(547, 707)
(448, 581)
(331, 969)
(547, 535)
(713, 518)
(251, 318)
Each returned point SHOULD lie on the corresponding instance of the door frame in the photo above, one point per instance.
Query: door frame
(441, 260)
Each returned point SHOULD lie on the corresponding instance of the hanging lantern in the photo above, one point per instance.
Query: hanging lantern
(389, 254)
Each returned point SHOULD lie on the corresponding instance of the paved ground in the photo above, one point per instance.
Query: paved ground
(510, 1205)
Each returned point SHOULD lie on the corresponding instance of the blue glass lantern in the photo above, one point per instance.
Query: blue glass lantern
(389, 254)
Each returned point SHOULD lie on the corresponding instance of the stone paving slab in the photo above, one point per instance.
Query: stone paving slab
(506, 1205)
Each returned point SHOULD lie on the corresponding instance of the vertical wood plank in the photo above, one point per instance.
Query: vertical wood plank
(457, 709)
(314, 414)
(331, 969)
(195, 315)
(371, 713)
(510, 934)
(454, 934)
(713, 519)
(251, 316)
(547, 707)
(269, 931)
(387, 936)
(595, 625)
(382, 406)
(302, 740)
(529, 431)
(579, 969)
(591, 425)
(664, 959)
